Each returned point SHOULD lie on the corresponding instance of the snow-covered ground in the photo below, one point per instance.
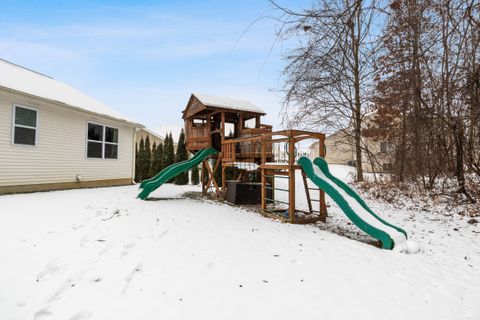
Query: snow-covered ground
(103, 254)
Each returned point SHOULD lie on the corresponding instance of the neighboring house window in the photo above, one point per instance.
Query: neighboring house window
(102, 142)
(25, 126)
(387, 167)
(385, 147)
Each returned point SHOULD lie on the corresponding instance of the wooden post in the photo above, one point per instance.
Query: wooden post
(264, 191)
(257, 122)
(240, 124)
(264, 150)
(209, 129)
(222, 125)
(211, 178)
(262, 173)
(291, 180)
(307, 192)
(272, 183)
(204, 191)
(224, 179)
(222, 134)
(323, 205)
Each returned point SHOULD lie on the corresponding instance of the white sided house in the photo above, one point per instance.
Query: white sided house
(53, 136)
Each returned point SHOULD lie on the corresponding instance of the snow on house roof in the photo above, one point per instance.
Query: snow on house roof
(166, 129)
(27, 81)
(153, 133)
(228, 103)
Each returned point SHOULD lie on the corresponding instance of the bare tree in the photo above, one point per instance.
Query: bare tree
(328, 77)
(428, 84)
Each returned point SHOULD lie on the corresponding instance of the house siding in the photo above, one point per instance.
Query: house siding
(60, 152)
(339, 150)
(142, 134)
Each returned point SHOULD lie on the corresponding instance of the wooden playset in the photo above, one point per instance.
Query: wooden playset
(225, 134)
(234, 129)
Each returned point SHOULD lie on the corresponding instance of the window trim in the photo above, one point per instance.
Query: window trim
(36, 128)
(103, 142)
(388, 147)
(389, 166)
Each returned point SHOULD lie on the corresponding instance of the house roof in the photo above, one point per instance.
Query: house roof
(153, 133)
(228, 103)
(175, 130)
(18, 78)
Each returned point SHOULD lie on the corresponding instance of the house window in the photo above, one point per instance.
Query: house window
(387, 167)
(25, 126)
(102, 142)
(385, 147)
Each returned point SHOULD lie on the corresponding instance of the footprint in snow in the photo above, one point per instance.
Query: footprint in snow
(51, 268)
(42, 314)
(131, 276)
(82, 315)
(160, 236)
(77, 226)
(59, 292)
(126, 249)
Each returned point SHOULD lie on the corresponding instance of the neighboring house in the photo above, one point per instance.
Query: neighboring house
(53, 136)
(152, 136)
(341, 150)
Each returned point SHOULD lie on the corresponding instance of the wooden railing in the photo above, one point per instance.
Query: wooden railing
(228, 152)
(197, 132)
(264, 128)
(197, 138)
(257, 147)
(247, 148)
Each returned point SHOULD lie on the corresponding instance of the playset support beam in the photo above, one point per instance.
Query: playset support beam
(211, 178)
(291, 180)
(323, 206)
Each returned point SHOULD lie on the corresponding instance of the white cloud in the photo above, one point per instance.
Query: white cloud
(146, 63)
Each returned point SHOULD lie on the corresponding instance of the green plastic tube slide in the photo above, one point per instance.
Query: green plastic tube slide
(348, 201)
(173, 170)
(323, 165)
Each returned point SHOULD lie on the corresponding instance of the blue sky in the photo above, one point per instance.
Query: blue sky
(144, 58)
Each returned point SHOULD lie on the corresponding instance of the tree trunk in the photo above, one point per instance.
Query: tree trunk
(357, 116)
(417, 91)
(459, 159)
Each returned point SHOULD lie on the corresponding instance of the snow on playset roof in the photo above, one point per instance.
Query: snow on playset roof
(27, 81)
(228, 103)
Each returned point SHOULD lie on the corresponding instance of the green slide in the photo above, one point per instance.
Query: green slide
(173, 170)
(351, 204)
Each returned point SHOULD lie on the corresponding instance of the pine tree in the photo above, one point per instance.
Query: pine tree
(168, 152)
(143, 161)
(172, 148)
(152, 171)
(195, 175)
(180, 156)
(148, 158)
(157, 160)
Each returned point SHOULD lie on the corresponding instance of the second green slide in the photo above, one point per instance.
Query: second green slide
(352, 204)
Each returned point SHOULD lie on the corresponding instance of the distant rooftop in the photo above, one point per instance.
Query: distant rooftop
(21, 79)
(228, 103)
